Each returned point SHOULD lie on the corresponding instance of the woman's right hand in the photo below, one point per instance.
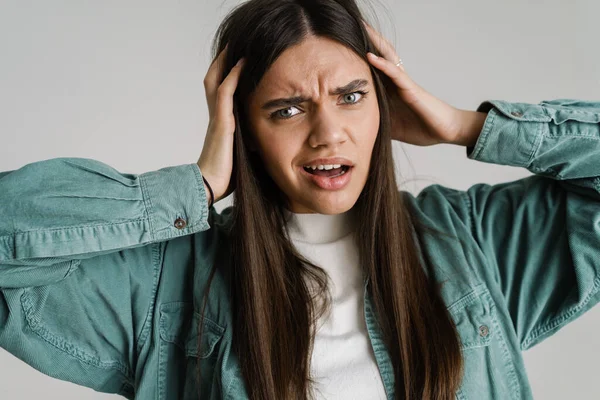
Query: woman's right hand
(216, 160)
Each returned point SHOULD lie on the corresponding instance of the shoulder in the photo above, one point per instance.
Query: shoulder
(448, 251)
(439, 207)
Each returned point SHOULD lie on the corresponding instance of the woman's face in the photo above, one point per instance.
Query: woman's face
(324, 116)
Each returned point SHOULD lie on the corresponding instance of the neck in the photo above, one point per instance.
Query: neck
(319, 228)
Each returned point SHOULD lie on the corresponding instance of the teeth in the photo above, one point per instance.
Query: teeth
(325, 167)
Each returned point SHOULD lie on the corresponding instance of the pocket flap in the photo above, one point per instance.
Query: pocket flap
(473, 316)
(179, 325)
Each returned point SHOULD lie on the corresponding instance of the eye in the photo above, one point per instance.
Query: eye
(284, 113)
(350, 98)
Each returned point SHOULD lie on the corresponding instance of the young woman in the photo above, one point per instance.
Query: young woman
(323, 280)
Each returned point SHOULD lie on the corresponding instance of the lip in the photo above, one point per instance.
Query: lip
(337, 183)
(329, 161)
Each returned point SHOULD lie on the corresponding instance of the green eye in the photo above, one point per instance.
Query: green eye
(349, 98)
(284, 113)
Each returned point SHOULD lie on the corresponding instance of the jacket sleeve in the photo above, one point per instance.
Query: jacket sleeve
(80, 252)
(540, 236)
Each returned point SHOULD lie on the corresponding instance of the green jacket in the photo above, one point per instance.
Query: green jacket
(101, 286)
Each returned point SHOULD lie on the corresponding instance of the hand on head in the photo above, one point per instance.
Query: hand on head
(216, 160)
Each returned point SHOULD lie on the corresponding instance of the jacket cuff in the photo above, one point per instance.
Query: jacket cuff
(175, 201)
(506, 137)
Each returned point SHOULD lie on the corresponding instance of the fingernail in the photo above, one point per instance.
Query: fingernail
(240, 62)
(372, 55)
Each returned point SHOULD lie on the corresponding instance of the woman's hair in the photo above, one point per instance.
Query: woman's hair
(274, 309)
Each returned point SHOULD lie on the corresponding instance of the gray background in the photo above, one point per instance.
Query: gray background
(121, 82)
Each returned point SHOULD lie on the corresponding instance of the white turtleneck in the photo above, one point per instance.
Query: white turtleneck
(342, 363)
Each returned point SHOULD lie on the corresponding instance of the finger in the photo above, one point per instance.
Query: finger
(224, 100)
(397, 74)
(384, 47)
(211, 80)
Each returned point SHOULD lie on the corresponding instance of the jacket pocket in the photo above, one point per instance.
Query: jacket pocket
(78, 326)
(489, 372)
(179, 353)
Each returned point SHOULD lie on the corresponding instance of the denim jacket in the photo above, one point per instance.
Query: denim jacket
(102, 272)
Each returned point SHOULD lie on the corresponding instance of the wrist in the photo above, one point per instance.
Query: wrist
(210, 195)
(472, 126)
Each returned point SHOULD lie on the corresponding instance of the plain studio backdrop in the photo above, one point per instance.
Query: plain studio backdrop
(122, 82)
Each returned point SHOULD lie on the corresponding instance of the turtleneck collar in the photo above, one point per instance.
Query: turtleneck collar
(319, 228)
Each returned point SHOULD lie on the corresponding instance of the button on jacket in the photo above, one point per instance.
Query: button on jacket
(102, 272)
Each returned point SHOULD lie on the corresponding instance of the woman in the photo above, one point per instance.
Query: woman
(134, 284)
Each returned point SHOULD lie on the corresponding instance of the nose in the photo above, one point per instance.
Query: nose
(328, 128)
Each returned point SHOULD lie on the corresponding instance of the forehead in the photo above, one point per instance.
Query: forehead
(314, 64)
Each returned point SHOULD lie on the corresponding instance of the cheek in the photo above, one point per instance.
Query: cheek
(277, 148)
(375, 121)
(278, 155)
(370, 127)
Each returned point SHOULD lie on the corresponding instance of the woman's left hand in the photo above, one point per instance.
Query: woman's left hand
(418, 117)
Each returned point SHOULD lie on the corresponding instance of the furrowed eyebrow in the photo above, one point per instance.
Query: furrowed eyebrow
(294, 101)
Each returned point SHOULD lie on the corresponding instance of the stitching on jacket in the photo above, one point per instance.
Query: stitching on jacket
(156, 262)
(232, 378)
(193, 225)
(205, 211)
(469, 214)
(558, 321)
(573, 134)
(468, 298)
(539, 138)
(179, 232)
(116, 176)
(148, 203)
(508, 362)
(67, 347)
(502, 340)
(66, 228)
(177, 306)
(483, 136)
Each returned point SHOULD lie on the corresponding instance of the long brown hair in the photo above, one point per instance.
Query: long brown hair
(274, 310)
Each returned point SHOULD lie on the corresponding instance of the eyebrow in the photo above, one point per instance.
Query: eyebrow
(294, 101)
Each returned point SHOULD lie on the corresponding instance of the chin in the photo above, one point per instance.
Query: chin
(330, 208)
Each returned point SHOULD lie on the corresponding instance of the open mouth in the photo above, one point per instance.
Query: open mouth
(329, 173)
